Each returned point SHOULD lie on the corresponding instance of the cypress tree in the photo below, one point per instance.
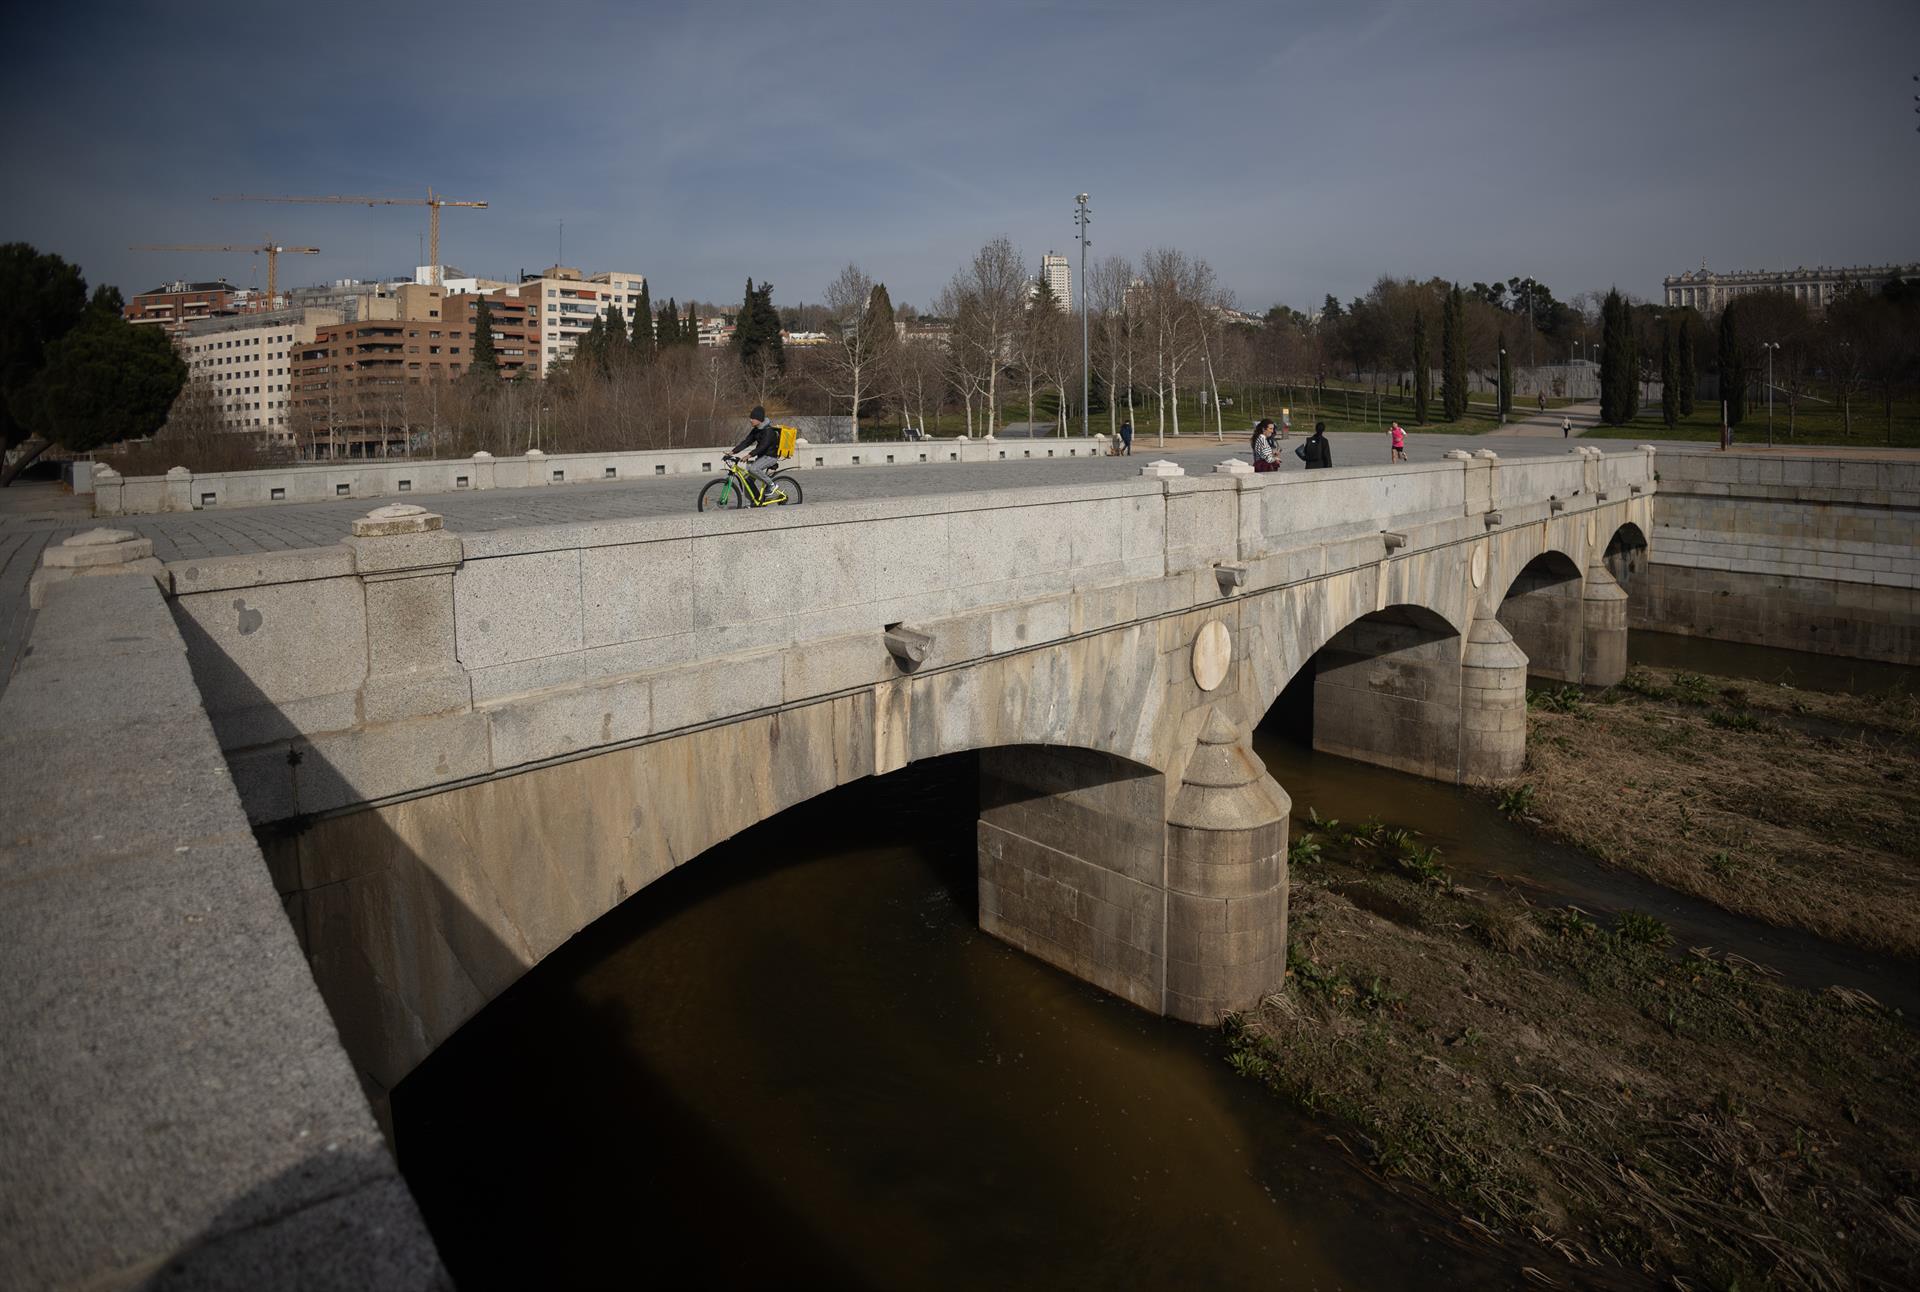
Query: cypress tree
(1453, 357)
(1613, 359)
(1506, 377)
(669, 324)
(485, 366)
(643, 336)
(768, 322)
(1688, 379)
(1630, 375)
(1422, 378)
(1733, 372)
(1670, 371)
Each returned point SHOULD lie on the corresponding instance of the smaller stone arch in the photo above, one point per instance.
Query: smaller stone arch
(1626, 554)
(1541, 609)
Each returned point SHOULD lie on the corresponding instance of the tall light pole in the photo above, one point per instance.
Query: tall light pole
(1082, 217)
(1500, 392)
(1769, 347)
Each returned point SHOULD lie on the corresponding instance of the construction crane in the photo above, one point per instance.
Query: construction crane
(272, 250)
(431, 201)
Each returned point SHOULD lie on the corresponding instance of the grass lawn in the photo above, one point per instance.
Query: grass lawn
(1814, 424)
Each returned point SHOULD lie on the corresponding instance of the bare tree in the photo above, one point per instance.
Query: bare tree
(1106, 291)
(988, 297)
(855, 344)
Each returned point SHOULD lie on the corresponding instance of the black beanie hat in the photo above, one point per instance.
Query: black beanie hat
(758, 414)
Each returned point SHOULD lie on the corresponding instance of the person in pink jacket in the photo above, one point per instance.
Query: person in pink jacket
(1398, 439)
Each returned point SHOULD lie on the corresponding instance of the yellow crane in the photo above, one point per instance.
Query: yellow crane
(272, 250)
(432, 201)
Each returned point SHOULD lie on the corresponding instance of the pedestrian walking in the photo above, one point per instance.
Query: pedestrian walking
(1265, 456)
(1397, 438)
(1543, 401)
(1566, 427)
(1314, 450)
(1126, 437)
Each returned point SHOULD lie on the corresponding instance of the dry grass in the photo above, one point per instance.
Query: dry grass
(1794, 807)
(1586, 1091)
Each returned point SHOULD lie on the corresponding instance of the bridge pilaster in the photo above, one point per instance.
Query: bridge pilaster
(1603, 627)
(1493, 703)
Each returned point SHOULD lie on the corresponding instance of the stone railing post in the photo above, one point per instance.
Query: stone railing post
(1226, 880)
(179, 490)
(406, 563)
(483, 470)
(98, 551)
(107, 485)
(536, 466)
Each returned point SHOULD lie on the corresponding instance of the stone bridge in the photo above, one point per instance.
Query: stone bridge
(461, 750)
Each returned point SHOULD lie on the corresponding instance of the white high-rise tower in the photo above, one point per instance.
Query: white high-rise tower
(1058, 275)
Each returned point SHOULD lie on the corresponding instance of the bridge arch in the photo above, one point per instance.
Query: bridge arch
(1626, 554)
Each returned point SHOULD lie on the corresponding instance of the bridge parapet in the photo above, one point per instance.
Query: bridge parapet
(392, 664)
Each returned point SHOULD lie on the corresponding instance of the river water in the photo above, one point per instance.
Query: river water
(798, 1062)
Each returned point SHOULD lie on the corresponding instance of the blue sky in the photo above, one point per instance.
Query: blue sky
(1301, 148)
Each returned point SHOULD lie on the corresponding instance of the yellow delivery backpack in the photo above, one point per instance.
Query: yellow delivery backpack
(788, 434)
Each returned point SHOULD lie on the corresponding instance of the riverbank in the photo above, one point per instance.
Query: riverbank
(1796, 807)
(1584, 1086)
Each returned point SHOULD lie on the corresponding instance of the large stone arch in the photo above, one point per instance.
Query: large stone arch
(1625, 554)
(1541, 609)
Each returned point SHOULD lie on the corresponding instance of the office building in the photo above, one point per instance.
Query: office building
(1058, 275)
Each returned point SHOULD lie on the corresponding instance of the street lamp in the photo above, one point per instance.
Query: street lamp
(1769, 347)
(1500, 393)
(1082, 217)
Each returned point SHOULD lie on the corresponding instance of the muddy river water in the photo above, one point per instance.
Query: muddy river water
(798, 1062)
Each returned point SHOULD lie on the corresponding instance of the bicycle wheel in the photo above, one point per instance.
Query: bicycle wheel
(788, 486)
(724, 492)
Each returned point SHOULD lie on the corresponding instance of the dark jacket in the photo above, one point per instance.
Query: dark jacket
(1319, 451)
(764, 440)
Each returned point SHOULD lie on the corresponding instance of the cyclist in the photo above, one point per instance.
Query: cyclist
(759, 446)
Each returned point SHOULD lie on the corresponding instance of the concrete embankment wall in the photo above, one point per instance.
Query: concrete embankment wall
(182, 490)
(175, 1105)
(1816, 554)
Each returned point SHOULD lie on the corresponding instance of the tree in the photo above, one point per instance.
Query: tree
(988, 298)
(485, 368)
(1688, 373)
(1506, 377)
(1453, 357)
(846, 371)
(1670, 370)
(756, 334)
(105, 381)
(42, 298)
(668, 333)
(1732, 366)
(1617, 375)
(644, 342)
(1422, 378)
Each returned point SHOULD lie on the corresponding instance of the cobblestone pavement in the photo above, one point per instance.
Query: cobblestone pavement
(34, 515)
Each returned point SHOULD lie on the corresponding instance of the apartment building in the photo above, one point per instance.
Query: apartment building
(361, 387)
(567, 303)
(516, 327)
(176, 304)
(247, 362)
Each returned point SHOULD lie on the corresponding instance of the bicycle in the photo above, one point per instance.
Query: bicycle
(738, 488)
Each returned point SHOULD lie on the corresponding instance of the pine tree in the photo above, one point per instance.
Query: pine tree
(1733, 370)
(644, 341)
(1422, 379)
(590, 351)
(1688, 376)
(1506, 377)
(485, 366)
(1670, 370)
(669, 324)
(1453, 357)
(1630, 376)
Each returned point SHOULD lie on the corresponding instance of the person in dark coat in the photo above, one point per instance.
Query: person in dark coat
(1316, 450)
(1126, 437)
